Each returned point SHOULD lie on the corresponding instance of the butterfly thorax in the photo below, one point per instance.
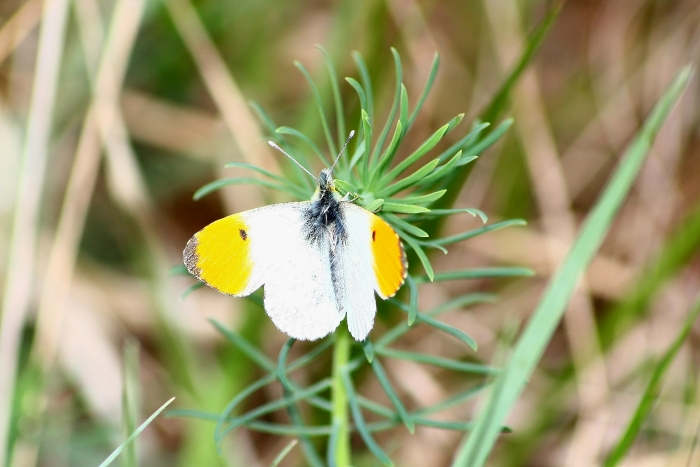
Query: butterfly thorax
(324, 218)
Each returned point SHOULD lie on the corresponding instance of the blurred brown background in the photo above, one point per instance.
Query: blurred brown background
(96, 206)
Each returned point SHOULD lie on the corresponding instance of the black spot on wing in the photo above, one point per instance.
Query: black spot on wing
(243, 234)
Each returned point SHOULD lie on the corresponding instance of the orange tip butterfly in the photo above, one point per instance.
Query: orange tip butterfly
(319, 261)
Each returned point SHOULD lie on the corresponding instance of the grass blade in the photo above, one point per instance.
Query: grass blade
(476, 232)
(280, 457)
(394, 108)
(133, 436)
(130, 398)
(319, 105)
(651, 392)
(221, 183)
(421, 256)
(403, 208)
(360, 421)
(337, 99)
(441, 362)
(386, 385)
(546, 317)
(246, 347)
(426, 90)
(449, 330)
(478, 273)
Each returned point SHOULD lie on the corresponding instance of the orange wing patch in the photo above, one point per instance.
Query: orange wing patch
(389, 257)
(219, 255)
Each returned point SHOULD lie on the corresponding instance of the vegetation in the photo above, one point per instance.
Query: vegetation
(566, 338)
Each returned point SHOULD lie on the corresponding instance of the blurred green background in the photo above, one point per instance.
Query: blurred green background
(97, 188)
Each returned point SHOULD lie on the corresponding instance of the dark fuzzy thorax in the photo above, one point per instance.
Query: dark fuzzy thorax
(324, 219)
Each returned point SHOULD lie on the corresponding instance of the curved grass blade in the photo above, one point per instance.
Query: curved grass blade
(310, 356)
(403, 107)
(333, 444)
(449, 330)
(218, 184)
(392, 113)
(532, 45)
(405, 226)
(359, 90)
(652, 390)
(255, 168)
(462, 301)
(367, 139)
(530, 347)
(466, 141)
(375, 205)
(290, 430)
(389, 390)
(337, 99)
(276, 405)
(412, 300)
(678, 250)
(441, 362)
(450, 402)
(457, 179)
(319, 105)
(392, 206)
(489, 139)
(179, 270)
(402, 328)
(388, 155)
(421, 256)
(360, 421)
(191, 289)
(366, 83)
(283, 453)
(479, 231)
(440, 172)
(264, 117)
(292, 409)
(478, 273)
(231, 406)
(285, 130)
(448, 212)
(421, 199)
(246, 347)
(133, 436)
(188, 413)
(412, 179)
(422, 150)
(429, 244)
(368, 349)
(130, 398)
(426, 90)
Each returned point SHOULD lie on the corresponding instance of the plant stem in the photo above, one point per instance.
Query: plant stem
(341, 354)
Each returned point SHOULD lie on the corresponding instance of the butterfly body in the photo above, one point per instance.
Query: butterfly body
(319, 261)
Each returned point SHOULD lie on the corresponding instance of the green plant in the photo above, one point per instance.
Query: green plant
(402, 191)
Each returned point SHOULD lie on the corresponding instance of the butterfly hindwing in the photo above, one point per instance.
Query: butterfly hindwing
(373, 259)
(299, 294)
(269, 246)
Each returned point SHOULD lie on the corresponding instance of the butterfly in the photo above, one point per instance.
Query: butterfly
(319, 261)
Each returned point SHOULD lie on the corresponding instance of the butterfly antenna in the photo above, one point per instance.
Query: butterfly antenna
(295, 161)
(352, 133)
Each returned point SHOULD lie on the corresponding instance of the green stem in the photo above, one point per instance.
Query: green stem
(341, 355)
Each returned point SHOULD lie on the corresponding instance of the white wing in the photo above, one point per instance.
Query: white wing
(356, 291)
(299, 294)
(268, 246)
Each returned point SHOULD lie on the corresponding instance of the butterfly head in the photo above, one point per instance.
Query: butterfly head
(326, 186)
